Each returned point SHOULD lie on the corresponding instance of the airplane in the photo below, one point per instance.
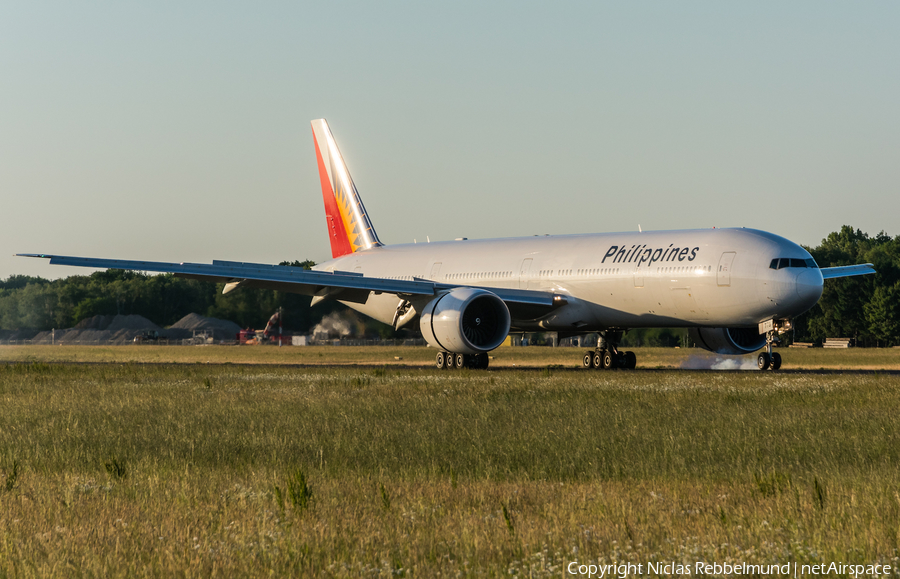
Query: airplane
(735, 289)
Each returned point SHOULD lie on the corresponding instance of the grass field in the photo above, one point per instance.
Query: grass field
(654, 358)
(196, 469)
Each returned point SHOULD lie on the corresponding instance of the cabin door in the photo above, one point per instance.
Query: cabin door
(638, 277)
(523, 273)
(723, 274)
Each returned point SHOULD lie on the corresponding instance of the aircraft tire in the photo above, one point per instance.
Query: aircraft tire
(459, 361)
(440, 361)
(608, 363)
(450, 360)
(776, 360)
(763, 361)
(481, 361)
(630, 360)
(588, 360)
(597, 361)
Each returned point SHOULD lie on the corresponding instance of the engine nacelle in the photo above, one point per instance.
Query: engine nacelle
(731, 341)
(465, 321)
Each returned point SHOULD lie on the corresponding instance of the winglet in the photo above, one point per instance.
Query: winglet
(349, 227)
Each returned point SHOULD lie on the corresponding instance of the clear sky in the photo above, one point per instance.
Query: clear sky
(179, 131)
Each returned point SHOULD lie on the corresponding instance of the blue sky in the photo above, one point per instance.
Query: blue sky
(180, 131)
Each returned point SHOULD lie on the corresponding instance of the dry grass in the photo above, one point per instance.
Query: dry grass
(127, 470)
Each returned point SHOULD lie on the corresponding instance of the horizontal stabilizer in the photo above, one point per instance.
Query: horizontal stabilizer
(847, 270)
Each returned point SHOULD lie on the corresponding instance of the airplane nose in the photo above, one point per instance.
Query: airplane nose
(809, 287)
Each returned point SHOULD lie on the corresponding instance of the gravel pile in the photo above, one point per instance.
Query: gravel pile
(219, 329)
(17, 334)
(123, 329)
(118, 329)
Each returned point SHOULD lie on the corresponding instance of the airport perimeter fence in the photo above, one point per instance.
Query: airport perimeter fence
(184, 342)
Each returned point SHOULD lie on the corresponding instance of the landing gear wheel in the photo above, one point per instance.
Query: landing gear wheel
(606, 355)
(449, 361)
(776, 360)
(440, 361)
(481, 361)
(763, 361)
(607, 362)
(459, 361)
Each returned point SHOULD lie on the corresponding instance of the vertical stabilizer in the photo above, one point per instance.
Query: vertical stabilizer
(349, 228)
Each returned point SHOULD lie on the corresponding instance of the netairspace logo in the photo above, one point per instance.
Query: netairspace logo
(623, 570)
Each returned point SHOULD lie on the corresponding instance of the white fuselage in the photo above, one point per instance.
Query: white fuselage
(710, 277)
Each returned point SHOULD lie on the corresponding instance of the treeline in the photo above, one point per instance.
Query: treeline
(33, 303)
(866, 308)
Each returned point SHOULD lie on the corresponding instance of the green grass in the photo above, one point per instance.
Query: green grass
(158, 470)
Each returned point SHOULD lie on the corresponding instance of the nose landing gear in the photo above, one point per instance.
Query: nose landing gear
(769, 360)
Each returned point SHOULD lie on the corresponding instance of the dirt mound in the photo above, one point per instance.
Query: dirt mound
(123, 329)
(132, 322)
(100, 329)
(219, 329)
(17, 334)
(116, 323)
(93, 323)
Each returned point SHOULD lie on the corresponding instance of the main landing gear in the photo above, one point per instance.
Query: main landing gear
(607, 355)
(769, 360)
(451, 361)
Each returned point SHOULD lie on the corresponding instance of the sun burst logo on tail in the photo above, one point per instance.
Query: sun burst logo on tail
(349, 227)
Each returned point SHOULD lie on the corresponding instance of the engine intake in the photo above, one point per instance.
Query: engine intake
(730, 341)
(465, 321)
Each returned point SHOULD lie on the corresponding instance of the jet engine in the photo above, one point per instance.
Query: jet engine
(465, 321)
(731, 341)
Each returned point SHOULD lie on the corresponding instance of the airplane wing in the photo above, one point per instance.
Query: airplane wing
(847, 270)
(338, 285)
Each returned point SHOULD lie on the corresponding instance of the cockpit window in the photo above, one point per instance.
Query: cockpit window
(783, 262)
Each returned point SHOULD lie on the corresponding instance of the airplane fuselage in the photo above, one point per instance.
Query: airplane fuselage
(709, 277)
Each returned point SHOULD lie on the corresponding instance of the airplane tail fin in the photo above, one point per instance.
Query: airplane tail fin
(349, 227)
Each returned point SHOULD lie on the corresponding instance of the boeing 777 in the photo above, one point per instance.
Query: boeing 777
(736, 290)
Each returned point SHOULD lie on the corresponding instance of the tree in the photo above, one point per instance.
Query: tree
(841, 311)
(19, 281)
(883, 314)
